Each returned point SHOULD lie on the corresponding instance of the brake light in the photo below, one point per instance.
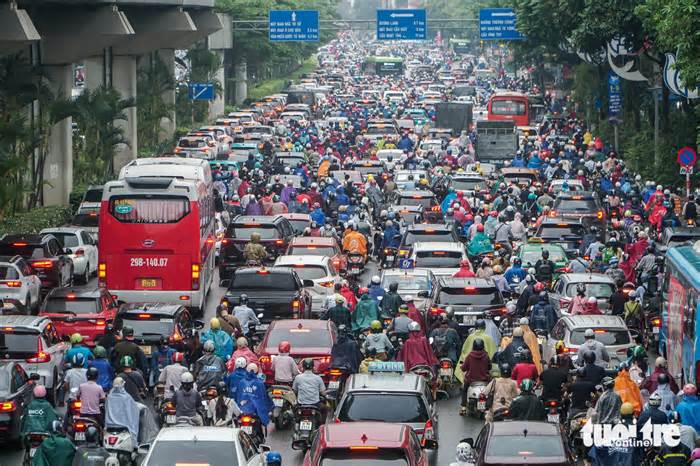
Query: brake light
(112, 439)
(79, 427)
(42, 264)
(428, 432)
(12, 283)
(335, 372)
(70, 296)
(175, 338)
(296, 305)
(656, 322)
(224, 241)
(277, 392)
(144, 316)
(170, 408)
(19, 244)
(184, 298)
(553, 213)
(599, 330)
(79, 252)
(101, 322)
(600, 215)
(75, 406)
(245, 420)
(7, 406)
(445, 364)
(436, 310)
(195, 276)
(364, 448)
(279, 242)
(552, 403)
(470, 289)
(264, 359)
(336, 264)
(39, 358)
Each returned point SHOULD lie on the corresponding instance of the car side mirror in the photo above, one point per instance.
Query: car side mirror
(198, 324)
(34, 376)
(308, 283)
(468, 440)
(143, 448)
(262, 448)
(225, 283)
(422, 294)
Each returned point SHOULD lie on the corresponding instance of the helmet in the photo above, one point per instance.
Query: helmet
(214, 324)
(526, 385)
(505, 369)
(660, 362)
(243, 299)
(480, 228)
(208, 346)
(529, 278)
(589, 357)
(375, 325)
(92, 373)
(525, 355)
(99, 352)
(465, 263)
(241, 342)
(308, 364)
(91, 434)
(178, 356)
(608, 382)
(252, 368)
(76, 338)
(627, 408)
(56, 427)
(589, 333)
(690, 389)
(414, 327)
(78, 360)
(478, 344)
(661, 379)
(255, 237)
(464, 452)
(632, 294)
(539, 286)
(284, 346)
(39, 391)
(221, 388)
(655, 399)
(376, 280)
(394, 286)
(241, 362)
(408, 298)
(403, 309)
(480, 324)
(186, 377)
(559, 346)
(581, 288)
(127, 331)
(674, 417)
(524, 321)
(273, 458)
(518, 332)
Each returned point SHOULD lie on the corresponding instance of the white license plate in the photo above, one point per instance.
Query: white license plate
(469, 320)
(445, 372)
(170, 419)
(80, 436)
(32, 452)
(305, 425)
(278, 402)
(481, 405)
(390, 258)
(655, 330)
(247, 429)
(553, 418)
(334, 384)
(262, 327)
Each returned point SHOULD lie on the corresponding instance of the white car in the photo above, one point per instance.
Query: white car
(202, 445)
(439, 256)
(317, 273)
(384, 154)
(418, 283)
(82, 247)
(427, 145)
(19, 282)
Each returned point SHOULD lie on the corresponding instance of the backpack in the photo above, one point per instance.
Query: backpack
(441, 344)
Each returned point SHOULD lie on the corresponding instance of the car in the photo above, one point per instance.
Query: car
(275, 234)
(195, 147)
(319, 246)
(199, 445)
(151, 322)
(426, 200)
(19, 283)
(404, 398)
(364, 443)
(523, 177)
(609, 330)
(442, 257)
(299, 222)
(88, 221)
(470, 298)
(289, 159)
(45, 254)
(384, 154)
(417, 283)
(426, 232)
(32, 342)
(353, 176)
(368, 167)
(597, 284)
(81, 249)
(574, 185)
(309, 338)
(531, 252)
(582, 205)
(317, 273)
(16, 392)
(522, 442)
(84, 310)
(428, 145)
(676, 236)
(91, 199)
(566, 232)
(467, 183)
(401, 177)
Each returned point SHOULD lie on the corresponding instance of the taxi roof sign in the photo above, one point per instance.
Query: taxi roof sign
(386, 366)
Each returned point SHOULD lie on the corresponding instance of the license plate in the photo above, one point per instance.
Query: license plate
(32, 452)
(146, 350)
(469, 320)
(170, 419)
(305, 425)
(553, 418)
(148, 283)
(481, 405)
(247, 429)
(390, 258)
(262, 327)
(278, 402)
(334, 384)
(80, 436)
(445, 372)
(655, 330)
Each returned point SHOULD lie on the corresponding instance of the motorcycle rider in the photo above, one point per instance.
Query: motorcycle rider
(525, 368)
(90, 395)
(77, 347)
(689, 406)
(591, 344)
(121, 410)
(607, 409)
(104, 368)
(127, 347)
(355, 242)
(544, 268)
(38, 414)
(475, 369)
(445, 340)
(255, 252)
(345, 352)
(378, 340)
(515, 273)
(502, 389)
(653, 411)
(234, 377)
(578, 303)
(308, 386)
(526, 406)
(187, 400)
(376, 290)
(416, 350)
(592, 372)
(465, 455)
(366, 311)
(651, 383)
(553, 380)
(91, 452)
(171, 374)
(134, 383)
(161, 357)
(222, 409)
(210, 368)
(223, 345)
(284, 368)
(543, 316)
(668, 398)
(245, 315)
(55, 450)
(391, 301)
(465, 270)
(400, 323)
(339, 314)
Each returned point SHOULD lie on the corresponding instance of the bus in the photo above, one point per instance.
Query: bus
(383, 66)
(175, 167)
(509, 106)
(678, 340)
(157, 240)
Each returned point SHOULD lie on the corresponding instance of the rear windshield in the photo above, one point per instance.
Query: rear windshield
(406, 282)
(300, 338)
(599, 290)
(576, 205)
(381, 130)
(424, 236)
(438, 258)
(520, 176)
(245, 231)
(531, 256)
(264, 281)
(520, 446)
(424, 202)
(312, 251)
(188, 452)
(605, 336)
(467, 185)
(67, 240)
(346, 457)
(309, 272)
(28, 252)
(86, 220)
(18, 344)
(559, 231)
(299, 226)
(680, 239)
(152, 209)
(470, 295)
(8, 273)
(75, 306)
(93, 195)
(189, 143)
(395, 407)
(152, 326)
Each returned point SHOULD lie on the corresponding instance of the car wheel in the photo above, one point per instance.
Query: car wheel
(71, 277)
(51, 392)
(28, 303)
(86, 275)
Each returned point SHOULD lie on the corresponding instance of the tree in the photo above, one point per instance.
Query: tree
(154, 80)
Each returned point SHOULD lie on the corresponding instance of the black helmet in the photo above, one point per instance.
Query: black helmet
(589, 357)
(545, 254)
(478, 344)
(480, 323)
(662, 379)
(243, 299)
(525, 355)
(554, 361)
(505, 369)
(91, 434)
(608, 382)
(92, 373)
(308, 364)
(56, 427)
(394, 287)
(221, 388)
(581, 288)
(517, 261)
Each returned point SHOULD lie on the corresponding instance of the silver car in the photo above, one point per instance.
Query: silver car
(597, 284)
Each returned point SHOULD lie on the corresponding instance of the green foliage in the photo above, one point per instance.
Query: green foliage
(35, 220)
(273, 86)
(154, 80)
(204, 65)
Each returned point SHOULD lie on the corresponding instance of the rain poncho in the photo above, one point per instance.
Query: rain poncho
(689, 409)
(254, 398)
(345, 353)
(416, 351)
(489, 346)
(93, 455)
(628, 391)
(376, 292)
(122, 411)
(479, 244)
(608, 408)
(233, 381)
(668, 398)
(365, 312)
(533, 345)
(55, 450)
(38, 416)
(223, 345)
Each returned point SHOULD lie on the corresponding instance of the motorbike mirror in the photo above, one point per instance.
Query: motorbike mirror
(308, 283)
(422, 294)
(34, 376)
(225, 283)
(468, 440)
(143, 448)
(260, 315)
(431, 339)
(262, 448)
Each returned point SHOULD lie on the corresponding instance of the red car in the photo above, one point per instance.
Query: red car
(83, 310)
(361, 443)
(310, 338)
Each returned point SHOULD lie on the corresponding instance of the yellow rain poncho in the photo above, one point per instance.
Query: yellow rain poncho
(489, 347)
(532, 343)
(628, 391)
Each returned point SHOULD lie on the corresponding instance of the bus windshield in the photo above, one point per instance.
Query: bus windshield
(508, 107)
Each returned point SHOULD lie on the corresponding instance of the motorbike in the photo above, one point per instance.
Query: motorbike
(575, 424)
(251, 425)
(306, 420)
(168, 418)
(397, 339)
(119, 443)
(553, 410)
(33, 440)
(79, 426)
(388, 257)
(283, 412)
(336, 383)
(501, 413)
(476, 399)
(158, 396)
(356, 263)
(446, 374)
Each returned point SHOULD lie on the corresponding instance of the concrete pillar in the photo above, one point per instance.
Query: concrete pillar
(168, 125)
(216, 108)
(98, 70)
(240, 71)
(124, 80)
(58, 168)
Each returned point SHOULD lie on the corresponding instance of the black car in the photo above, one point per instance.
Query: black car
(581, 205)
(16, 392)
(431, 211)
(275, 232)
(45, 254)
(422, 232)
(567, 232)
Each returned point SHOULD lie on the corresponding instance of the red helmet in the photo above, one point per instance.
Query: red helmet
(465, 263)
(284, 346)
(469, 218)
(539, 286)
(480, 227)
(362, 291)
(493, 213)
(178, 357)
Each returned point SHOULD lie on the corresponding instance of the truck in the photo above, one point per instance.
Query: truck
(496, 141)
(456, 116)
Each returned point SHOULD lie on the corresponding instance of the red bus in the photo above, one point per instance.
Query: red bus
(509, 106)
(157, 240)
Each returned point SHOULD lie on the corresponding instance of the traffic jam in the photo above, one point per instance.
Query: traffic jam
(404, 237)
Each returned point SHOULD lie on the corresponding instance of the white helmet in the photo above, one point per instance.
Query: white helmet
(375, 279)
(241, 362)
(464, 451)
(186, 377)
(414, 327)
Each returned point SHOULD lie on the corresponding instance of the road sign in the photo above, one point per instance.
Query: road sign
(201, 91)
(293, 26)
(614, 94)
(406, 264)
(687, 157)
(686, 171)
(401, 25)
(498, 24)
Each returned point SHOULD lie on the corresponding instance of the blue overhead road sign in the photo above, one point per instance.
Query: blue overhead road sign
(293, 26)
(498, 24)
(201, 91)
(401, 25)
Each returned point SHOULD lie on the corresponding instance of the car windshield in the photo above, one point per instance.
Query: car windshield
(300, 337)
(381, 130)
(438, 258)
(308, 272)
(575, 205)
(147, 326)
(245, 231)
(263, 280)
(15, 344)
(28, 251)
(680, 239)
(299, 226)
(406, 282)
(395, 407)
(349, 457)
(470, 295)
(559, 231)
(467, 185)
(187, 452)
(604, 335)
(531, 256)
(74, 306)
(86, 220)
(8, 273)
(416, 200)
(425, 235)
(67, 240)
(532, 446)
(93, 195)
(312, 251)
(599, 290)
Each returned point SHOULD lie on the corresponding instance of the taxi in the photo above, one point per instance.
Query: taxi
(364, 443)
(319, 246)
(531, 252)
